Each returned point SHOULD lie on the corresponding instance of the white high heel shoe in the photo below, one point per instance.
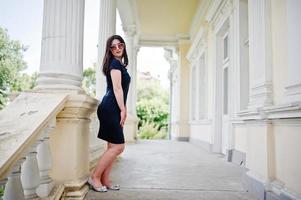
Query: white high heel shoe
(97, 189)
(114, 187)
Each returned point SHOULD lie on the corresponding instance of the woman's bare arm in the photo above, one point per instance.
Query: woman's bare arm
(118, 92)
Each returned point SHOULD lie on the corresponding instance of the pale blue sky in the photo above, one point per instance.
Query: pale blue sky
(23, 20)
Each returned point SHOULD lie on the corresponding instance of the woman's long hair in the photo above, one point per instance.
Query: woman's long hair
(109, 56)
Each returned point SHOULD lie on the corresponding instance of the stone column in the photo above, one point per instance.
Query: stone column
(260, 52)
(131, 126)
(61, 70)
(293, 87)
(183, 126)
(62, 45)
(107, 28)
(171, 55)
(130, 32)
(134, 80)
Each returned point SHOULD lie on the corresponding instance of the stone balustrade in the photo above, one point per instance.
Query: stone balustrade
(47, 145)
(25, 160)
(29, 178)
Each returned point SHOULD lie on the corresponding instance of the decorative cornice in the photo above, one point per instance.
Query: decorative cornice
(150, 40)
(218, 10)
(283, 111)
(163, 40)
(198, 45)
(199, 16)
(212, 10)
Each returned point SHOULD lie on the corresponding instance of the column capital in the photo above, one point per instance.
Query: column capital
(130, 30)
(136, 50)
(170, 55)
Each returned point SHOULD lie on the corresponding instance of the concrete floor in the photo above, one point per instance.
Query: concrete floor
(173, 170)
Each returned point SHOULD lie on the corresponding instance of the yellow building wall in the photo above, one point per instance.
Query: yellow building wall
(287, 137)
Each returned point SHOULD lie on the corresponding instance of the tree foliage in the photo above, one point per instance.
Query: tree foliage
(11, 65)
(89, 80)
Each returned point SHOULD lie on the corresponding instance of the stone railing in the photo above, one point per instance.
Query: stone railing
(25, 125)
(31, 152)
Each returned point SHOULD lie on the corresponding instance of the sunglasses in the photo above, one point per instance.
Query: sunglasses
(119, 46)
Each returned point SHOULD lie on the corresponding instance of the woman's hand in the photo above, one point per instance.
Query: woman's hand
(122, 117)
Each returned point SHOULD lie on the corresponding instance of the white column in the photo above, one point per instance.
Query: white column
(293, 87)
(171, 57)
(134, 79)
(260, 51)
(62, 45)
(107, 28)
(130, 32)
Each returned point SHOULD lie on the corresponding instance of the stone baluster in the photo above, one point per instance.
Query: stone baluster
(45, 162)
(13, 188)
(30, 177)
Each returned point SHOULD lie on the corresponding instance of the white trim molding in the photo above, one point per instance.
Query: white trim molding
(199, 16)
(286, 111)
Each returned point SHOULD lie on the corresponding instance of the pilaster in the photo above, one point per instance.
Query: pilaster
(293, 86)
(260, 53)
(131, 126)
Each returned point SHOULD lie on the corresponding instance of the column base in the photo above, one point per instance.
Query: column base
(58, 81)
(261, 95)
(44, 189)
(56, 193)
(75, 190)
(131, 129)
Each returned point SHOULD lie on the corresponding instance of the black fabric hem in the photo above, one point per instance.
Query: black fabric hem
(110, 141)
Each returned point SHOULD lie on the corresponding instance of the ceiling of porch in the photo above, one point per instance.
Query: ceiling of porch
(162, 21)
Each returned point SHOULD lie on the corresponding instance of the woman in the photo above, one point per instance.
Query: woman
(112, 112)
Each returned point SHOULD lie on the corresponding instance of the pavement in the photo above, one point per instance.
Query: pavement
(172, 170)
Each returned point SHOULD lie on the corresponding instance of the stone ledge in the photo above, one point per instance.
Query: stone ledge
(289, 110)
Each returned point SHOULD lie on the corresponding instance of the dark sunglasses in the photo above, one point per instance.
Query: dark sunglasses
(119, 46)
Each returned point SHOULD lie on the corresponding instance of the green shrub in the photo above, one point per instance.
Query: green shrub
(152, 110)
(1, 191)
(150, 130)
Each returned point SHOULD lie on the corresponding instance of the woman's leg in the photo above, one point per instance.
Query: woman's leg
(105, 161)
(105, 178)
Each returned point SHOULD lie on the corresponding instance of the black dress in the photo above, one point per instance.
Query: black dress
(108, 111)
